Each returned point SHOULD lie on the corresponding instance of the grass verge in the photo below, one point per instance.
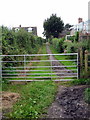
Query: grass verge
(81, 82)
(35, 98)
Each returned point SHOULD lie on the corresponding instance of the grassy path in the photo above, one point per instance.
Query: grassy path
(66, 63)
(35, 97)
(62, 72)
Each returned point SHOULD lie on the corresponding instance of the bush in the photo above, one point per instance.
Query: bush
(70, 47)
(58, 44)
(20, 42)
(81, 82)
(87, 95)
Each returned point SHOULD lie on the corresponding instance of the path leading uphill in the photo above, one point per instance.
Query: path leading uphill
(60, 71)
(69, 102)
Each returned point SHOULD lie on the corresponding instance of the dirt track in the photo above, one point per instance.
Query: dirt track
(69, 102)
(61, 70)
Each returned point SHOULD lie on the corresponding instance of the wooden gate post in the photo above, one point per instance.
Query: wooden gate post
(79, 70)
(86, 61)
(81, 58)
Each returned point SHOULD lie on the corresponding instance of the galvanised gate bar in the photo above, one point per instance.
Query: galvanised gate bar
(39, 67)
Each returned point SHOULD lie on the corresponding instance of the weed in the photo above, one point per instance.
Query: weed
(35, 98)
(87, 95)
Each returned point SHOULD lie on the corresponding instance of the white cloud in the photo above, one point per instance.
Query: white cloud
(34, 12)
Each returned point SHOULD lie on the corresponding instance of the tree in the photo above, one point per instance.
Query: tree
(67, 26)
(53, 26)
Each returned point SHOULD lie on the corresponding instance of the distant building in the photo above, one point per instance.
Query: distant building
(28, 29)
(81, 27)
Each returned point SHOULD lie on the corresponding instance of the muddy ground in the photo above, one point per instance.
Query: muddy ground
(69, 103)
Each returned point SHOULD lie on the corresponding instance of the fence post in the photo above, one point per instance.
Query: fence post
(1, 71)
(79, 70)
(81, 58)
(25, 66)
(51, 66)
(86, 61)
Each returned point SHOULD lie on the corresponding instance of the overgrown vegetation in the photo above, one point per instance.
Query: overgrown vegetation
(58, 44)
(16, 43)
(35, 98)
(20, 42)
(87, 95)
(72, 46)
(81, 82)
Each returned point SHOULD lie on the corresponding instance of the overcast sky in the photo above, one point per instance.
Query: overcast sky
(34, 12)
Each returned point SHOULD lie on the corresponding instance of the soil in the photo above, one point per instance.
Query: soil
(8, 99)
(69, 103)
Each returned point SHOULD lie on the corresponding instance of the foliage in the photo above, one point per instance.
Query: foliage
(58, 44)
(0, 40)
(81, 82)
(20, 42)
(67, 26)
(71, 47)
(35, 98)
(87, 95)
(64, 57)
(77, 36)
(53, 26)
(85, 44)
(87, 90)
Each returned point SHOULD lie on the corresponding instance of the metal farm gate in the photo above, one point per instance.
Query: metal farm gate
(39, 67)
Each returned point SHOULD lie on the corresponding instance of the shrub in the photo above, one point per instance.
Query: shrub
(58, 44)
(87, 95)
(81, 82)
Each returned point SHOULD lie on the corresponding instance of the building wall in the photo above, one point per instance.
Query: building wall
(28, 29)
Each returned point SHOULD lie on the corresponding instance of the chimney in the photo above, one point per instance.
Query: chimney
(19, 25)
(80, 20)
